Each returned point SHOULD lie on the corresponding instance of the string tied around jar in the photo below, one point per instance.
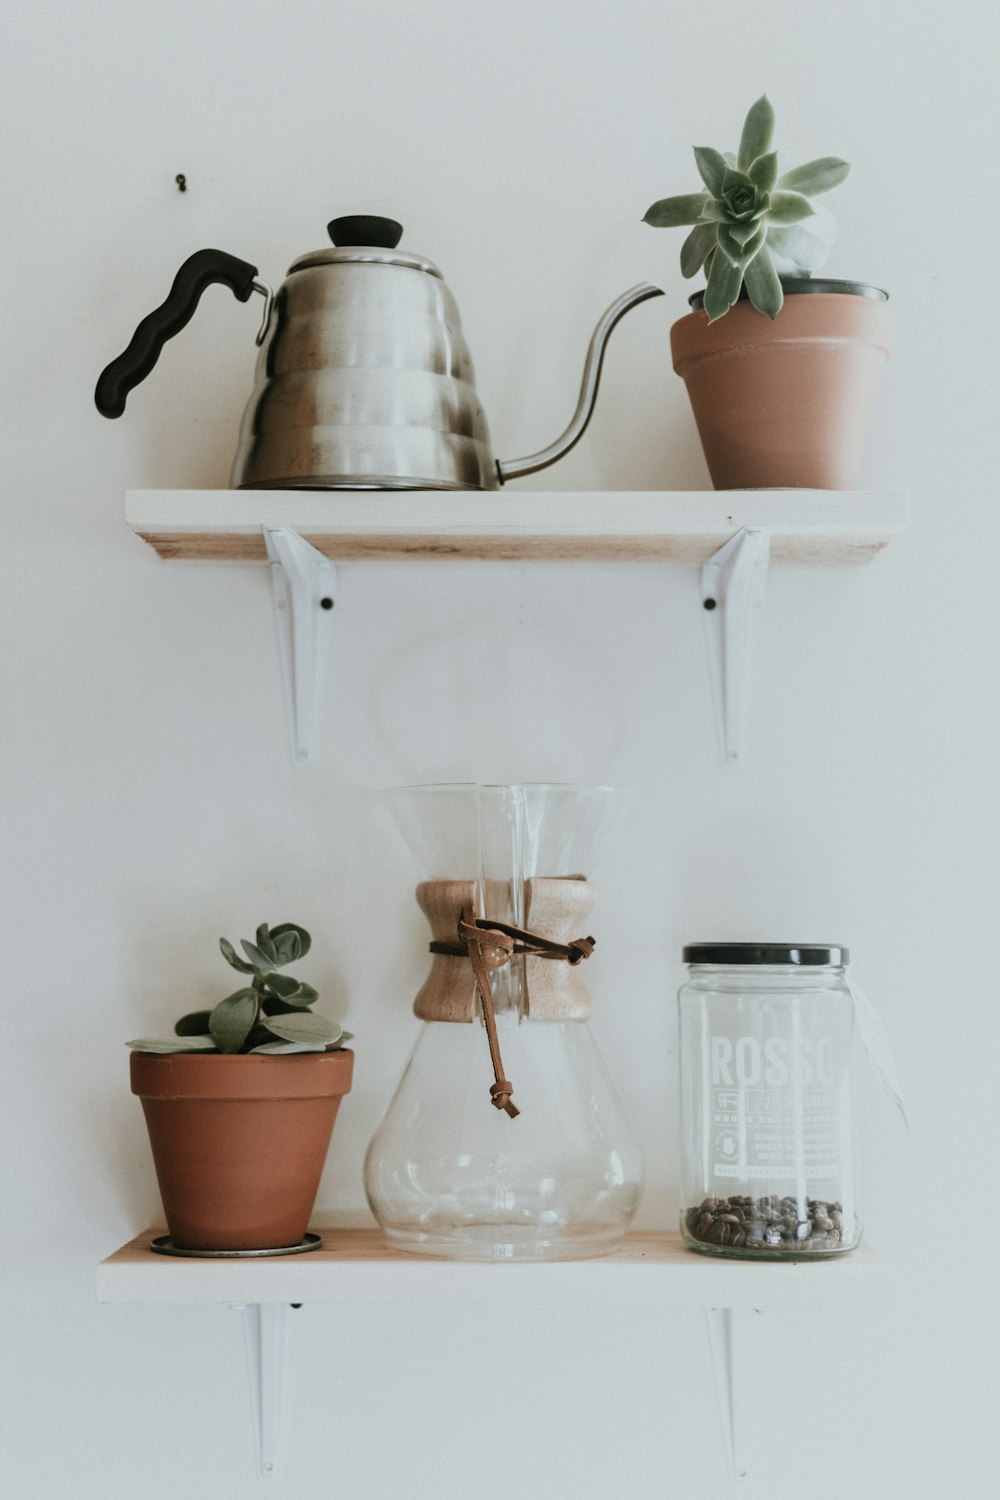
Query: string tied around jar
(489, 944)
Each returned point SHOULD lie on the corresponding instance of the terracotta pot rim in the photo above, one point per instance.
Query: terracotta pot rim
(228, 1059)
(803, 286)
(241, 1075)
(807, 324)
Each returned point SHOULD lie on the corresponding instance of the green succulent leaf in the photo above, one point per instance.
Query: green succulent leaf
(795, 243)
(261, 963)
(189, 1044)
(758, 132)
(740, 254)
(723, 288)
(697, 248)
(233, 1019)
(291, 990)
(264, 943)
(672, 213)
(193, 1024)
(305, 1026)
(287, 948)
(789, 208)
(763, 286)
(711, 167)
(763, 172)
(283, 985)
(715, 212)
(291, 941)
(742, 234)
(725, 249)
(272, 1047)
(232, 957)
(817, 176)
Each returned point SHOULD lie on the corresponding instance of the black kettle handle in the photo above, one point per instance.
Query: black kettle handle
(198, 272)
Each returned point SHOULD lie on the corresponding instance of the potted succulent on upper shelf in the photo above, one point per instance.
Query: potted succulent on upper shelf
(781, 368)
(240, 1128)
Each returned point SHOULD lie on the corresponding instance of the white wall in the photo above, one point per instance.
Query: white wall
(150, 803)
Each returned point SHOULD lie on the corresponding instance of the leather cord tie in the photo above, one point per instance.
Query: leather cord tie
(489, 945)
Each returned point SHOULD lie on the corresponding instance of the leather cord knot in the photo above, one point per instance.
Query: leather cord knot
(489, 945)
(500, 1093)
(579, 949)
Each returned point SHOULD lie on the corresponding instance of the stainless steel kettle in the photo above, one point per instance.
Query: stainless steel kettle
(364, 379)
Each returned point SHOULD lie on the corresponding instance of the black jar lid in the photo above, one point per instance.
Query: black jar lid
(804, 955)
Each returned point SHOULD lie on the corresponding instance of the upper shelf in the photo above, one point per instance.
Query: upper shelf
(355, 1265)
(682, 526)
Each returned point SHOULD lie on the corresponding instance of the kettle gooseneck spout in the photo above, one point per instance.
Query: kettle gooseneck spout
(518, 467)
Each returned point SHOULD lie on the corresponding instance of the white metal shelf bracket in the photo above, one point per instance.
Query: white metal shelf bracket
(733, 585)
(727, 1330)
(265, 1328)
(304, 583)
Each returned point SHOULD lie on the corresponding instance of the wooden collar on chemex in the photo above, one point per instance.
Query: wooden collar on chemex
(489, 945)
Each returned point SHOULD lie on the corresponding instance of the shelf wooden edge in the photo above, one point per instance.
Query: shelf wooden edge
(355, 1265)
(808, 526)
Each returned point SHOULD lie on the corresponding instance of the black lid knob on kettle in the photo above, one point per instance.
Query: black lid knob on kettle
(365, 229)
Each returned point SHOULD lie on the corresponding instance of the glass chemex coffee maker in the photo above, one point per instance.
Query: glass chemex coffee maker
(505, 1139)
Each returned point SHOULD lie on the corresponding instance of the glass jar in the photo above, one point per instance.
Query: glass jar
(768, 1167)
(553, 1171)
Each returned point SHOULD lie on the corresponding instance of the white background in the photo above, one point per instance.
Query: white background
(150, 801)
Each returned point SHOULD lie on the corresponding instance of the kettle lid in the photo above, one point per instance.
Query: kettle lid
(364, 237)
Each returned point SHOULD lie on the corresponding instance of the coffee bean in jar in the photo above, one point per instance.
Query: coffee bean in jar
(772, 1226)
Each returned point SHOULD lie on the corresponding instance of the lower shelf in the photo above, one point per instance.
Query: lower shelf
(355, 1265)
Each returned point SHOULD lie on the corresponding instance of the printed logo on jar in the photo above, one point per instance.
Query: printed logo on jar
(777, 1062)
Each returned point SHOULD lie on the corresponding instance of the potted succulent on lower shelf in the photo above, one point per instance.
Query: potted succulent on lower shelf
(240, 1105)
(781, 368)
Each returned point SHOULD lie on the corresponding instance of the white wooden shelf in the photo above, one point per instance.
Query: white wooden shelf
(683, 526)
(653, 1268)
(355, 1265)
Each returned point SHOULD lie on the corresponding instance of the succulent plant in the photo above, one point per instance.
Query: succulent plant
(749, 224)
(271, 1014)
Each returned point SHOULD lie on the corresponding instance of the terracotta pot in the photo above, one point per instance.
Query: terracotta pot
(239, 1142)
(786, 402)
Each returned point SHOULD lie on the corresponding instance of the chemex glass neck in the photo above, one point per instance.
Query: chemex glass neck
(502, 836)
